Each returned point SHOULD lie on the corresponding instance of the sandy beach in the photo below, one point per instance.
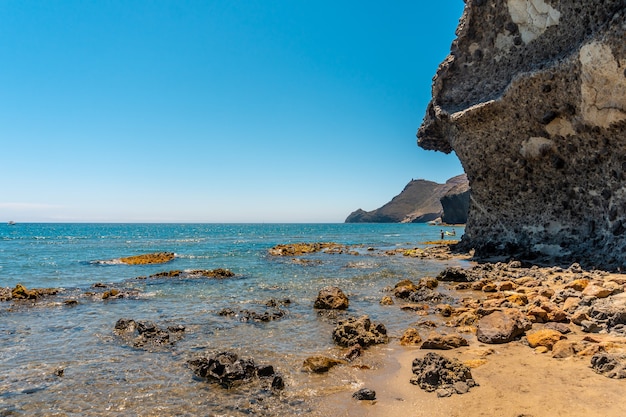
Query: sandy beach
(514, 379)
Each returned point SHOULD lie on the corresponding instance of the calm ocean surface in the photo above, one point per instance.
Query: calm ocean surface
(102, 375)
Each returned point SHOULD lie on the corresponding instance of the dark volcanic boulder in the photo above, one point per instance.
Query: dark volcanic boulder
(609, 314)
(436, 372)
(146, 334)
(365, 394)
(228, 369)
(225, 368)
(427, 295)
(359, 331)
(455, 274)
(219, 273)
(331, 298)
(609, 365)
(532, 100)
(253, 316)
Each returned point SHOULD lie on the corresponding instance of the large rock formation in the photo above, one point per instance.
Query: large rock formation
(419, 202)
(533, 101)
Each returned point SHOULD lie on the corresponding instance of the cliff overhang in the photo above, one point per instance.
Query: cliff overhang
(532, 99)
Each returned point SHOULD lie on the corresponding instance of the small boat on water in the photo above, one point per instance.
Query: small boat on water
(11, 223)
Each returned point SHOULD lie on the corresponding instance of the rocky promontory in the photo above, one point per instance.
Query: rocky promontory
(532, 99)
(419, 202)
(455, 204)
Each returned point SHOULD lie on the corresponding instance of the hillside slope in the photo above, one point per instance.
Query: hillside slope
(419, 202)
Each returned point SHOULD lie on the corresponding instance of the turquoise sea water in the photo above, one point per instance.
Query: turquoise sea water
(102, 375)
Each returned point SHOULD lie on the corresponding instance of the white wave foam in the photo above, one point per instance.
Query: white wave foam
(107, 262)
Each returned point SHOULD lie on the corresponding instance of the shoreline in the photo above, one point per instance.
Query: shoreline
(514, 379)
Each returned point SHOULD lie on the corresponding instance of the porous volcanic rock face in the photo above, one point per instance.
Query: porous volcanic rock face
(532, 99)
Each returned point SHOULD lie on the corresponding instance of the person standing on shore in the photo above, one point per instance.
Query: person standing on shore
(442, 235)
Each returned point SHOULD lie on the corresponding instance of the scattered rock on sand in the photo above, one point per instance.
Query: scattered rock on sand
(609, 313)
(564, 349)
(545, 337)
(438, 373)
(502, 326)
(455, 274)
(444, 342)
(611, 366)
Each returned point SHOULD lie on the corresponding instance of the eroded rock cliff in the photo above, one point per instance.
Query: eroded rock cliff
(532, 99)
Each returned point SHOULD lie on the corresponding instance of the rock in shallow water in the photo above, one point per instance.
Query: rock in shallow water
(253, 316)
(365, 394)
(331, 298)
(228, 369)
(359, 331)
(320, 364)
(146, 334)
(149, 258)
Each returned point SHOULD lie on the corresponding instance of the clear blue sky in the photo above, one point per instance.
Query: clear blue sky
(215, 111)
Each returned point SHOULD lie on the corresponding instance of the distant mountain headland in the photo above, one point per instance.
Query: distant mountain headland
(422, 201)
